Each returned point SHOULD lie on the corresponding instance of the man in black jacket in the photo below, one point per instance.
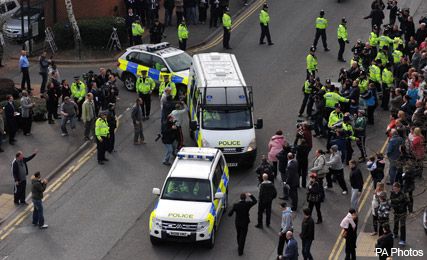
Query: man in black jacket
(267, 192)
(37, 189)
(11, 119)
(20, 172)
(384, 243)
(292, 180)
(307, 234)
(356, 183)
(264, 167)
(242, 218)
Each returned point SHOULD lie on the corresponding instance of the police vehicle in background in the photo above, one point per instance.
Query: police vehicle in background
(193, 198)
(158, 59)
(221, 108)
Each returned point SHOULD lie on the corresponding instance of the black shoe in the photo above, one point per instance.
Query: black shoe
(258, 226)
(100, 162)
(105, 160)
(51, 122)
(240, 253)
(300, 115)
(283, 198)
(228, 48)
(268, 225)
(319, 221)
(147, 118)
(327, 49)
(24, 203)
(271, 43)
(1, 150)
(16, 203)
(167, 163)
(261, 43)
(342, 60)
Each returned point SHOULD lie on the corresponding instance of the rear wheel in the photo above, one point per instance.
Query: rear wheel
(129, 81)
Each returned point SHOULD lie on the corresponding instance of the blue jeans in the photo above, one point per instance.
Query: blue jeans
(169, 152)
(392, 172)
(306, 245)
(190, 13)
(38, 218)
(64, 123)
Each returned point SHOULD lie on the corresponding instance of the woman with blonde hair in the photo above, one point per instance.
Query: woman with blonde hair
(375, 204)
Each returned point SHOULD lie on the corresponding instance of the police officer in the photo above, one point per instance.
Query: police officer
(226, 23)
(78, 92)
(264, 20)
(137, 32)
(342, 38)
(156, 32)
(331, 100)
(334, 119)
(102, 132)
(375, 74)
(307, 90)
(321, 25)
(182, 35)
(167, 84)
(311, 63)
(387, 82)
(144, 87)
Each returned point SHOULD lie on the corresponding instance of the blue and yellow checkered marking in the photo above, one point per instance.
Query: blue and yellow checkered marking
(136, 69)
(223, 185)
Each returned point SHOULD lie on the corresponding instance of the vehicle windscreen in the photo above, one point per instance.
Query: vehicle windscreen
(26, 11)
(187, 189)
(179, 62)
(233, 119)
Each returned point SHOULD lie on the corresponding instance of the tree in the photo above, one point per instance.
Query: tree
(73, 22)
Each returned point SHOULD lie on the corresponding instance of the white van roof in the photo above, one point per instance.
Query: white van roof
(218, 69)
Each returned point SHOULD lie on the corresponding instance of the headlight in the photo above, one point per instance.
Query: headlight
(202, 226)
(205, 142)
(252, 145)
(157, 223)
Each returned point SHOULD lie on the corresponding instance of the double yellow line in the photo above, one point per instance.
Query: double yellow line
(239, 20)
(340, 242)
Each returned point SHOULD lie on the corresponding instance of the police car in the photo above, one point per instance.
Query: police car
(193, 198)
(158, 59)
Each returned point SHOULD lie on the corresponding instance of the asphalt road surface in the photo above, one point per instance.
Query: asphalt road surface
(102, 212)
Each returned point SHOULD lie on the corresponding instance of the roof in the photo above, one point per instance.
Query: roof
(193, 168)
(220, 69)
(164, 52)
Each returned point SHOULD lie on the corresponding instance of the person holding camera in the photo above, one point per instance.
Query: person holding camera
(169, 138)
(38, 186)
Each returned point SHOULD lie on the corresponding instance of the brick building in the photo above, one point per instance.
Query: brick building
(55, 9)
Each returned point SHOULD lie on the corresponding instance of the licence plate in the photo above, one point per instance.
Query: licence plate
(178, 234)
(232, 164)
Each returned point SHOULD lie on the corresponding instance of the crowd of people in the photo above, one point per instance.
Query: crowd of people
(387, 70)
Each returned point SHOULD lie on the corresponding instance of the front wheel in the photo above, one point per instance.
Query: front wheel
(154, 241)
(129, 81)
(211, 242)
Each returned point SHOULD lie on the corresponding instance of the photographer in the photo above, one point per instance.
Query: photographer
(304, 132)
(37, 189)
(169, 137)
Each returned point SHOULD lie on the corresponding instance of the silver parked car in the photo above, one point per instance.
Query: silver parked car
(12, 28)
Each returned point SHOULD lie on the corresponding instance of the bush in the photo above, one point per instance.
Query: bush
(7, 87)
(95, 32)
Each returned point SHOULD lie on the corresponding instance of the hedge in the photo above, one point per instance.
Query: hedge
(39, 108)
(94, 32)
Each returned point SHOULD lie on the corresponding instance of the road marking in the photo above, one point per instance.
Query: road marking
(340, 242)
(236, 24)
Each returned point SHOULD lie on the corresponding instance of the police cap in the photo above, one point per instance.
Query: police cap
(265, 6)
(343, 20)
(76, 77)
(312, 49)
(322, 13)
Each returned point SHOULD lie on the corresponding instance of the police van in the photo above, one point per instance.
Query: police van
(221, 108)
(193, 198)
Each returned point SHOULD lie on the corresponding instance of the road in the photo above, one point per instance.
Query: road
(102, 212)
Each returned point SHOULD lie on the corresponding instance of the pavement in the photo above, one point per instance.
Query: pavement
(102, 212)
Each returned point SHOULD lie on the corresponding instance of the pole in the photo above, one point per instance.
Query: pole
(30, 30)
(22, 22)
(55, 18)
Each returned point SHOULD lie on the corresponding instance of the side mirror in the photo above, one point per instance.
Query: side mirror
(219, 195)
(259, 123)
(156, 191)
(193, 125)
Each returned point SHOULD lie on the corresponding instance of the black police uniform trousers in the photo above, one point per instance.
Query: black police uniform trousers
(102, 148)
(19, 192)
(341, 42)
(265, 32)
(183, 44)
(25, 79)
(309, 100)
(320, 33)
(264, 206)
(146, 104)
(311, 205)
(242, 231)
(226, 38)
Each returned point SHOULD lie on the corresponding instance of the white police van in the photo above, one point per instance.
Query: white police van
(193, 198)
(221, 108)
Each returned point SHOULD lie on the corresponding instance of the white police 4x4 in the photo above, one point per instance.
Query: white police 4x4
(193, 198)
(158, 59)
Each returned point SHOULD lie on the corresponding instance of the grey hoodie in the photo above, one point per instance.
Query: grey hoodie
(335, 162)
